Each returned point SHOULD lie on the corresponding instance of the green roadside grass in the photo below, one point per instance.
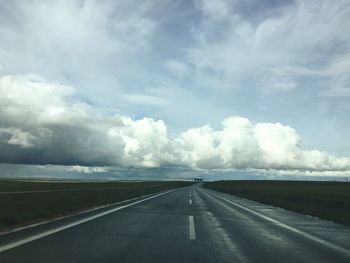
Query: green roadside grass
(19, 206)
(327, 200)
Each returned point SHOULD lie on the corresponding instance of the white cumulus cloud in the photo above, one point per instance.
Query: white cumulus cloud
(42, 123)
(17, 137)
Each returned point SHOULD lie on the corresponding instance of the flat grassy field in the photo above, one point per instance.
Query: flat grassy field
(327, 200)
(23, 203)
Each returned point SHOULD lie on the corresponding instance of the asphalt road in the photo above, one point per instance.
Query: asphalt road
(190, 224)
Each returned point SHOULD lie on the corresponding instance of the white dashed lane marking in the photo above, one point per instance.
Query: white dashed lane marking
(191, 228)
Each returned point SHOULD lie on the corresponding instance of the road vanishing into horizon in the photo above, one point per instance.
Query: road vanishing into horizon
(189, 224)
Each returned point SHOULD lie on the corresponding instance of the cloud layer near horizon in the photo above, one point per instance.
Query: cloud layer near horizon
(45, 123)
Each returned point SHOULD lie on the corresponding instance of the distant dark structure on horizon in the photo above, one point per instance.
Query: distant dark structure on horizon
(198, 179)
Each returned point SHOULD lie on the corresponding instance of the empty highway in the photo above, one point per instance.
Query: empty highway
(189, 224)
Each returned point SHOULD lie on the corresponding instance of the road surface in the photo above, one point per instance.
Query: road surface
(189, 224)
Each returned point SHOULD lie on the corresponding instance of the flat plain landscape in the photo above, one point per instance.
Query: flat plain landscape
(326, 200)
(188, 224)
(23, 203)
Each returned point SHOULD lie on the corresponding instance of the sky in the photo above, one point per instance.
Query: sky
(169, 89)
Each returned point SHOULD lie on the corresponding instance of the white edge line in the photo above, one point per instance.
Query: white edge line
(295, 230)
(191, 228)
(58, 229)
(70, 215)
